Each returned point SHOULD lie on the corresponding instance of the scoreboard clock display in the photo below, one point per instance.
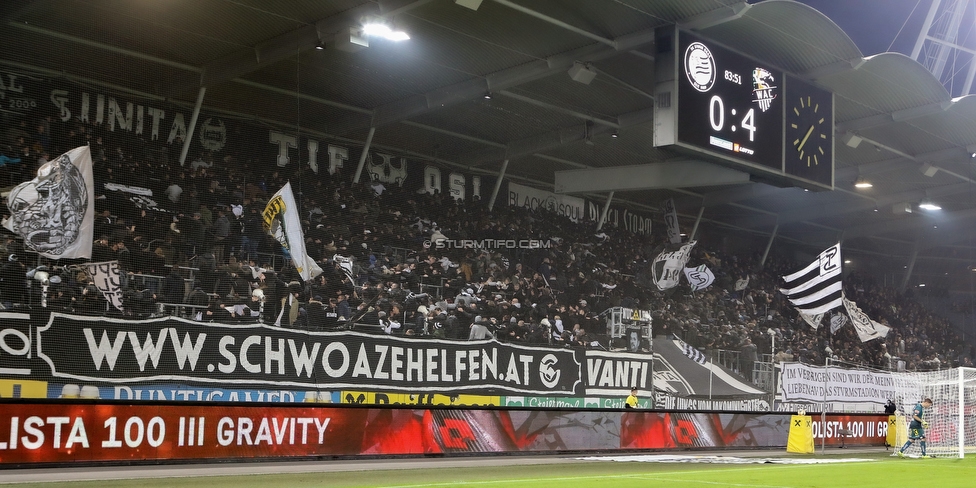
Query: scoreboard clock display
(736, 109)
(809, 129)
(728, 104)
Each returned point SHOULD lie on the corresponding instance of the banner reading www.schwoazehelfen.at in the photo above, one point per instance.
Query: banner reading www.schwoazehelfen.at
(171, 349)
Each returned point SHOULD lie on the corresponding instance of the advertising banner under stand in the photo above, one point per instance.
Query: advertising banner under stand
(71, 432)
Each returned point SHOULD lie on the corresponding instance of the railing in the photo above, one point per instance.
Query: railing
(183, 310)
(434, 290)
(401, 253)
(152, 282)
(728, 359)
(764, 374)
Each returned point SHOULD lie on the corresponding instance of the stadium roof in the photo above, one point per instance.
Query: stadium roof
(426, 97)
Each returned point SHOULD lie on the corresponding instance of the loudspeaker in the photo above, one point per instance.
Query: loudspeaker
(351, 41)
(579, 72)
(851, 140)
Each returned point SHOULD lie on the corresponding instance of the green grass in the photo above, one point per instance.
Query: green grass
(883, 471)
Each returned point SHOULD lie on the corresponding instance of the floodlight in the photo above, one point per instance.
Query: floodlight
(929, 205)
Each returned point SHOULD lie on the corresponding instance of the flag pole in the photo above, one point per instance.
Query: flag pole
(711, 363)
(823, 408)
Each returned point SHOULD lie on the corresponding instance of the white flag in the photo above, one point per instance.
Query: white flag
(282, 221)
(742, 284)
(671, 219)
(107, 277)
(881, 328)
(866, 328)
(813, 320)
(699, 278)
(817, 288)
(54, 212)
(837, 321)
(667, 266)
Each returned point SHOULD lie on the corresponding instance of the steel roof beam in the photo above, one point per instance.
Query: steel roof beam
(812, 212)
(739, 193)
(716, 17)
(507, 78)
(551, 140)
(899, 163)
(15, 10)
(907, 114)
(247, 60)
(557, 108)
(556, 22)
(834, 68)
(656, 176)
(907, 224)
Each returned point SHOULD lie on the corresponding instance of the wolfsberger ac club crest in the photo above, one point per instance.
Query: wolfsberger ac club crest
(763, 90)
(274, 221)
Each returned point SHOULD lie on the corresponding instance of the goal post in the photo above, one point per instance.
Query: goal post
(952, 417)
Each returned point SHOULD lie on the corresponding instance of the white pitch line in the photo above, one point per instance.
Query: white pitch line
(720, 483)
(736, 468)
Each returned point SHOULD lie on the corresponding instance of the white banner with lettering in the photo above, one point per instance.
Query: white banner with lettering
(803, 383)
(107, 277)
(671, 219)
(667, 266)
(867, 329)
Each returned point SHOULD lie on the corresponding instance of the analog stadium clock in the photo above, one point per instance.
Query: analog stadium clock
(809, 131)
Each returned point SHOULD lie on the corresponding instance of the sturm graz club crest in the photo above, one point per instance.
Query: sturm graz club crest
(49, 210)
(700, 67)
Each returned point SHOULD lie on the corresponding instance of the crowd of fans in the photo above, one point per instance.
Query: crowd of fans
(205, 239)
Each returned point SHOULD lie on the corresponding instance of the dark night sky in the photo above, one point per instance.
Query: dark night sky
(874, 24)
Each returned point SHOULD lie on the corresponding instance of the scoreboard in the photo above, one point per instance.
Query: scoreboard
(744, 113)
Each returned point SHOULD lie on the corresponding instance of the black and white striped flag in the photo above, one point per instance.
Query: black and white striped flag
(693, 353)
(817, 288)
(345, 264)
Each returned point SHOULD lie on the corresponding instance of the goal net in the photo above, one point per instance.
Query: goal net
(952, 423)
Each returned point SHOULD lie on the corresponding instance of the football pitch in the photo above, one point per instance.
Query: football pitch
(866, 470)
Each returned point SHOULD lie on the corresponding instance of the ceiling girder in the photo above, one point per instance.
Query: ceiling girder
(834, 68)
(655, 176)
(910, 222)
(899, 163)
(739, 193)
(835, 208)
(288, 44)
(507, 78)
(716, 17)
(879, 120)
(551, 140)
(557, 108)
